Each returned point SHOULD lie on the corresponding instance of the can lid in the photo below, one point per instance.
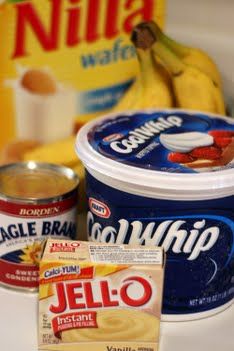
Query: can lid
(36, 181)
(166, 153)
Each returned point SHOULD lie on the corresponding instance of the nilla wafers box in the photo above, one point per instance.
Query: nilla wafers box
(62, 63)
(100, 296)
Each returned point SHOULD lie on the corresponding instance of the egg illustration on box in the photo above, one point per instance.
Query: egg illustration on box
(45, 109)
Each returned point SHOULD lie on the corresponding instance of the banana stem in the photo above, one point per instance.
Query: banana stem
(144, 37)
(178, 48)
(172, 62)
(147, 66)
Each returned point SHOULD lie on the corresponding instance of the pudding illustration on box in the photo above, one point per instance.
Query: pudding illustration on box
(45, 109)
(166, 178)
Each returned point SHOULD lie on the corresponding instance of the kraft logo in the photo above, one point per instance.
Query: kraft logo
(99, 208)
(113, 137)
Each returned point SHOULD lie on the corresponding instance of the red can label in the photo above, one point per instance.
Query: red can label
(23, 228)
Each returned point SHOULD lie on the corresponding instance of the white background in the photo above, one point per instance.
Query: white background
(208, 24)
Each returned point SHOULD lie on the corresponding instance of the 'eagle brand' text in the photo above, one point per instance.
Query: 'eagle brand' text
(31, 229)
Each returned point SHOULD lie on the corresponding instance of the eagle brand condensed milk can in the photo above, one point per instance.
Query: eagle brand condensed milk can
(37, 200)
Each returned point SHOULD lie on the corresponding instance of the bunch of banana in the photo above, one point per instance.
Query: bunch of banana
(152, 87)
(191, 56)
(193, 88)
(195, 79)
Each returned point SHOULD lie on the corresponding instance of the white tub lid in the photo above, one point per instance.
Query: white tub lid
(163, 152)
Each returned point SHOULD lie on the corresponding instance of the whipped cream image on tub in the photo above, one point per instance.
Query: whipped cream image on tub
(185, 142)
(102, 297)
(166, 178)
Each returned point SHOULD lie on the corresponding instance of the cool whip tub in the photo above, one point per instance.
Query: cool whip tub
(166, 178)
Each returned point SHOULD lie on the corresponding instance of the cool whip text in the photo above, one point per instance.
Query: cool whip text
(140, 135)
(169, 234)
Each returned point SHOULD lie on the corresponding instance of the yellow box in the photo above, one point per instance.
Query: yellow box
(101, 297)
(62, 63)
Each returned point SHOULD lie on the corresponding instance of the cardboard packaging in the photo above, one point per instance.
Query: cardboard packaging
(63, 62)
(99, 296)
